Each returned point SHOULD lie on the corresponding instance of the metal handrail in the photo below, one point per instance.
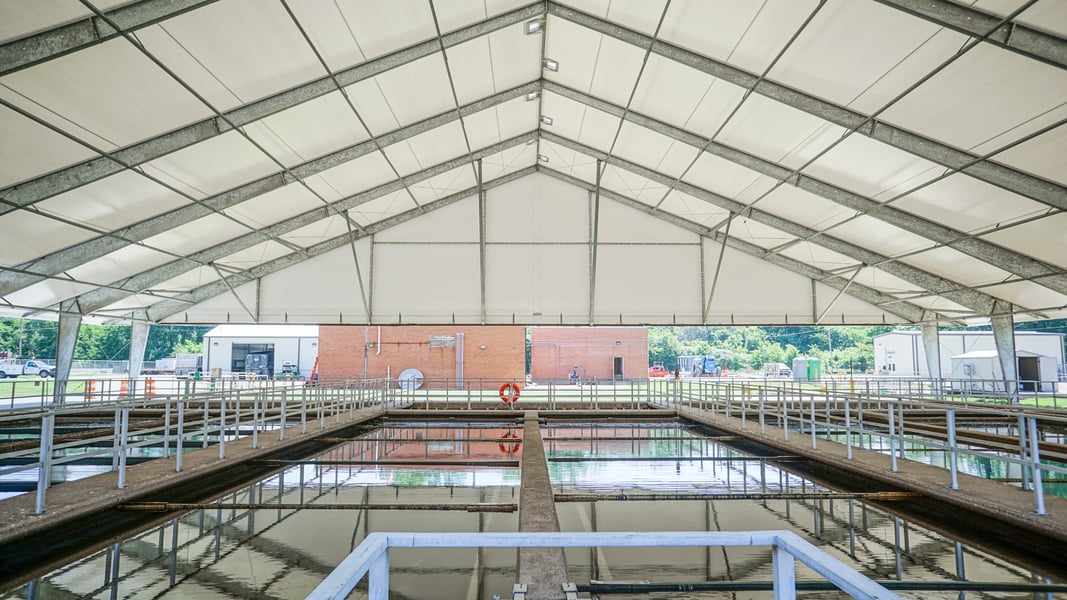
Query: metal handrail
(372, 556)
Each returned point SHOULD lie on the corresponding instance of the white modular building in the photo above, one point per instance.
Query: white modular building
(902, 353)
(227, 347)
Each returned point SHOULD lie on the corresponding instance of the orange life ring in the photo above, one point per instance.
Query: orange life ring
(509, 447)
(509, 392)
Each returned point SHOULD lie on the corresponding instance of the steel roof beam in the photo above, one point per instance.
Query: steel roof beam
(976, 301)
(105, 296)
(1014, 36)
(68, 258)
(66, 179)
(904, 310)
(1031, 186)
(167, 308)
(998, 256)
(45, 45)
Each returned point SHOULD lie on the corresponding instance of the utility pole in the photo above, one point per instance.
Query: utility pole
(20, 338)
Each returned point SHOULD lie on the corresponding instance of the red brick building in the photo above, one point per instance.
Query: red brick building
(599, 352)
(495, 352)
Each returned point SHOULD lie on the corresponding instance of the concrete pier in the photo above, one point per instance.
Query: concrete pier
(542, 570)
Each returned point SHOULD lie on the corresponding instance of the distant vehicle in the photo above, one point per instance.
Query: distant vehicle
(290, 370)
(187, 364)
(776, 369)
(14, 368)
(259, 364)
(699, 366)
(658, 370)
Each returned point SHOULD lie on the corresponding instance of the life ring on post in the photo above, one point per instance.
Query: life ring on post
(509, 393)
(509, 447)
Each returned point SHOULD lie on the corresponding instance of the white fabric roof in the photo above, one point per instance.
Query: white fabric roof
(294, 161)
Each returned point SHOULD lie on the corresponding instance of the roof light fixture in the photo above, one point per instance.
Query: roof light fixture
(547, 120)
(543, 158)
(533, 26)
(533, 95)
(531, 141)
(551, 64)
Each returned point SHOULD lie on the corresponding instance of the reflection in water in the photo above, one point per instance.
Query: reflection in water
(279, 553)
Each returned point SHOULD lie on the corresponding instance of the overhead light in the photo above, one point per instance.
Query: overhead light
(551, 65)
(547, 120)
(533, 26)
(533, 96)
(531, 141)
(543, 158)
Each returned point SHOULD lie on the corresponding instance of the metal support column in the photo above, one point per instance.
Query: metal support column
(1004, 338)
(66, 338)
(932, 345)
(593, 244)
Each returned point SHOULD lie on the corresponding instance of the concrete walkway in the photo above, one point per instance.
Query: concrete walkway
(543, 570)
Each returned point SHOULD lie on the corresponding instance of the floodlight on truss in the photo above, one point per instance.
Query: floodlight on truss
(534, 26)
(551, 64)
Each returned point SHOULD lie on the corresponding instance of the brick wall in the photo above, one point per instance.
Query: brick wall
(556, 350)
(503, 358)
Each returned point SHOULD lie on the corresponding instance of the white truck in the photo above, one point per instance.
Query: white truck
(14, 368)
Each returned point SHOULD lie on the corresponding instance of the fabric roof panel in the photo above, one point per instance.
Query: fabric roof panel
(113, 202)
(250, 257)
(983, 94)
(1045, 155)
(1045, 239)
(110, 90)
(26, 17)
(197, 235)
(880, 280)
(956, 266)
(47, 293)
(688, 88)
(516, 57)
(623, 225)
(187, 281)
(309, 130)
(215, 165)
(353, 176)
(576, 50)
(778, 132)
(328, 29)
(27, 236)
(372, 106)
(275, 206)
(445, 184)
(758, 233)
(748, 35)
(119, 264)
(383, 27)
(615, 73)
(235, 39)
(456, 222)
(873, 234)
(40, 150)
(692, 209)
(382, 208)
(871, 168)
(968, 205)
(803, 207)
(1025, 293)
(435, 146)
(654, 150)
(418, 89)
(501, 122)
(820, 257)
(318, 231)
(720, 176)
(1047, 15)
(864, 39)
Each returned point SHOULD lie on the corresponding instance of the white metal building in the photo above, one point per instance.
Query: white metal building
(902, 352)
(226, 346)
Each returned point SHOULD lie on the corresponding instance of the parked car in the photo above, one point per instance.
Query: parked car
(658, 370)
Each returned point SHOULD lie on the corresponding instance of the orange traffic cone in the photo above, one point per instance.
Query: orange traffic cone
(124, 389)
(90, 389)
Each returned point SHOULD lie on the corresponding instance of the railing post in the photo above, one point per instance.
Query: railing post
(304, 408)
(44, 475)
(378, 577)
(814, 438)
(950, 421)
(1022, 452)
(785, 577)
(166, 429)
(207, 417)
(123, 438)
(255, 420)
(281, 429)
(848, 427)
(892, 438)
(222, 428)
(181, 433)
(1035, 457)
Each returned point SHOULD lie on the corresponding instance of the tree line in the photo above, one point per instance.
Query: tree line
(96, 342)
(840, 349)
